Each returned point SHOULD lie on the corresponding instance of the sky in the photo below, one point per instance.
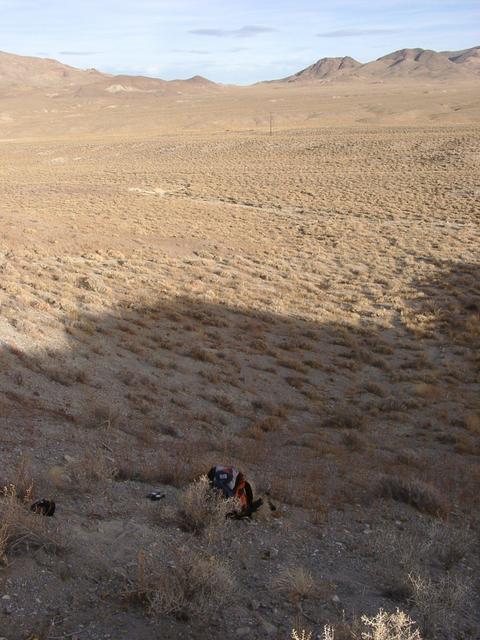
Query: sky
(240, 42)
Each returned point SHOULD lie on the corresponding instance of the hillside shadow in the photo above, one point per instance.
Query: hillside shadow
(314, 413)
(451, 302)
(203, 382)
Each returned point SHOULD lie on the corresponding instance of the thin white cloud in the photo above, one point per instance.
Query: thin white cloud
(354, 33)
(78, 53)
(248, 31)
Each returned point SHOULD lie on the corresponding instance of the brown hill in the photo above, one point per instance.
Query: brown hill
(470, 58)
(325, 69)
(27, 72)
(405, 63)
(412, 63)
(23, 73)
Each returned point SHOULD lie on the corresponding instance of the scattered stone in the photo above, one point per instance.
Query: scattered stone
(268, 627)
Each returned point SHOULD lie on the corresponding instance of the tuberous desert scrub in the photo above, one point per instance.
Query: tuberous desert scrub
(202, 508)
(187, 583)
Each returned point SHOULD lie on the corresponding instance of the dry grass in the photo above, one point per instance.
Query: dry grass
(416, 493)
(102, 416)
(345, 417)
(203, 510)
(296, 583)
(21, 530)
(320, 336)
(443, 604)
(390, 626)
(95, 468)
(191, 583)
(423, 568)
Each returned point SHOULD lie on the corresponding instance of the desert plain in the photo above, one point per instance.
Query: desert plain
(180, 287)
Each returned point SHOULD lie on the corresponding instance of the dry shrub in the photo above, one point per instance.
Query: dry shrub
(389, 626)
(136, 471)
(193, 583)
(427, 391)
(197, 353)
(419, 568)
(472, 423)
(103, 416)
(259, 428)
(443, 604)
(382, 626)
(295, 582)
(353, 441)
(202, 508)
(375, 388)
(162, 470)
(307, 635)
(23, 480)
(174, 473)
(93, 468)
(344, 417)
(445, 546)
(20, 529)
(418, 494)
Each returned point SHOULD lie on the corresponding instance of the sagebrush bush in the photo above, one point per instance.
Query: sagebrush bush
(345, 417)
(416, 493)
(21, 530)
(95, 467)
(190, 583)
(382, 626)
(442, 603)
(390, 626)
(295, 582)
(202, 508)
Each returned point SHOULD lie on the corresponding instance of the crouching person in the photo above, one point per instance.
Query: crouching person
(231, 482)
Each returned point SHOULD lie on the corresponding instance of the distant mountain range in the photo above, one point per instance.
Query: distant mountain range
(23, 73)
(405, 63)
(26, 73)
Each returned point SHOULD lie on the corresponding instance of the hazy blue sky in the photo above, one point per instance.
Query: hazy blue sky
(229, 41)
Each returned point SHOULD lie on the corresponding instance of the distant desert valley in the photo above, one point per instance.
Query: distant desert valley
(283, 277)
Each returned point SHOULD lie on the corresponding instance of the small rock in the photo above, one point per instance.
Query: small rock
(268, 627)
(335, 599)
(7, 608)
